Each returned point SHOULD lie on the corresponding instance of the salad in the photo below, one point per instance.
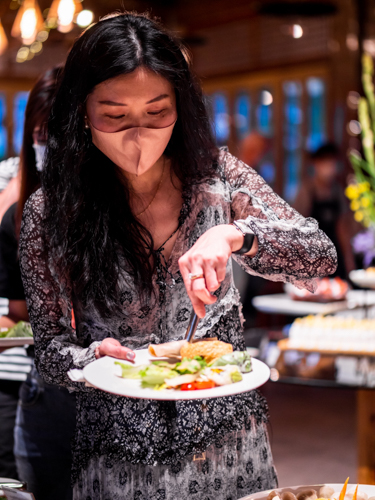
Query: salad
(189, 374)
(21, 329)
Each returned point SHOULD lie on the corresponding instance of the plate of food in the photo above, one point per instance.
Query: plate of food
(332, 491)
(19, 335)
(364, 278)
(200, 370)
(328, 290)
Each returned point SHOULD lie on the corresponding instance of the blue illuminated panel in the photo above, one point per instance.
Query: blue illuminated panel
(292, 137)
(3, 129)
(316, 113)
(264, 121)
(242, 116)
(219, 103)
(264, 113)
(19, 105)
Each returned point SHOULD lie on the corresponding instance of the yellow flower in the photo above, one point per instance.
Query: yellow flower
(364, 186)
(365, 202)
(354, 205)
(352, 191)
(358, 216)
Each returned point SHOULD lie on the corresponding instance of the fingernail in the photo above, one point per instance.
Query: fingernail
(130, 356)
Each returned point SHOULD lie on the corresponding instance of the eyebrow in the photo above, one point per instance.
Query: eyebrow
(155, 99)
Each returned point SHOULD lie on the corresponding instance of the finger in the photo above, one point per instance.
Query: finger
(199, 307)
(221, 272)
(116, 350)
(184, 270)
(198, 286)
(210, 276)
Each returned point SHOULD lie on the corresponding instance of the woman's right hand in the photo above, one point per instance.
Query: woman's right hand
(112, 347)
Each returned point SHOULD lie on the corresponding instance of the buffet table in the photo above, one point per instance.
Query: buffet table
(369, 490)
(334, 370)
(281, 303)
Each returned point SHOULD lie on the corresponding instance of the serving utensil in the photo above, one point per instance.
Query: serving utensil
(192, 327)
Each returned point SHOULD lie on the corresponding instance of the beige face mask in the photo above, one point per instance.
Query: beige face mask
(135, 149)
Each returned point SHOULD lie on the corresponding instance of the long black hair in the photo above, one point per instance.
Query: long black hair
(36, 115)
(89, 226)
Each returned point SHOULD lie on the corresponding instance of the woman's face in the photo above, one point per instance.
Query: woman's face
(138, 99)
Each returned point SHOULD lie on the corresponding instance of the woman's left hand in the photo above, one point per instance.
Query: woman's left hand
(208, 257)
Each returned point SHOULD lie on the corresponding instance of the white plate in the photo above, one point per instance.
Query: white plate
(16, 341)
(101, 374)
(369, 489)
(362, 278)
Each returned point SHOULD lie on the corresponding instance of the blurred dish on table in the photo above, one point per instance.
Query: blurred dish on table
(329, 290)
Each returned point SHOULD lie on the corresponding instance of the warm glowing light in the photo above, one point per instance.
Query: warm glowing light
(42, 36)
(266, 98)
(352, 42)
(354, 127)
(85, 18)
(22, 54)
(3, 40)
(65, 12)
(369, 46)
(62, 14)
(28, 22)
(297, 31)
(353, 99)
(36, 47)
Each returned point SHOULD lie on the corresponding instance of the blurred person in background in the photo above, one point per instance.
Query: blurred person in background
(252, 149)
(46, 413)
(10, 182)
(322, 197)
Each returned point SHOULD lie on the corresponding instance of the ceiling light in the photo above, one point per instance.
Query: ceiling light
(297, 31)
(266, 98)
(28, 22)
(85, 18)
(3, 40)
(62, 14)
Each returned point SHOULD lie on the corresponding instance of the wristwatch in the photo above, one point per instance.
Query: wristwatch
(248, 239)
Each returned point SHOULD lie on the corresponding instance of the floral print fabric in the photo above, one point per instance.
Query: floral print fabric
(291, 249)
(232, 467)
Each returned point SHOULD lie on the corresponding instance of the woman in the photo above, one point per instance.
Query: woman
(132, 221)
(45, 419)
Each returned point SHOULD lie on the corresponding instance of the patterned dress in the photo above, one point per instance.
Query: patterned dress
(134, 449)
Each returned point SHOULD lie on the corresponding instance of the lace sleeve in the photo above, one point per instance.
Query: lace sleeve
(57, 348)
(291, 248)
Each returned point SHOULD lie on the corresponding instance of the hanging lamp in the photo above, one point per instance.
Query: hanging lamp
(62, 14)
(3, 40)
(28, 22)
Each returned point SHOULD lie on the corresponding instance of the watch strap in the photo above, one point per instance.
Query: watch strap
(248, 239)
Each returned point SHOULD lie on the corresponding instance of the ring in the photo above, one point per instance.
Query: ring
(193, 277)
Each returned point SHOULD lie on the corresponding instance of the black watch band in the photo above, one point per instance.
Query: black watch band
(248, 240)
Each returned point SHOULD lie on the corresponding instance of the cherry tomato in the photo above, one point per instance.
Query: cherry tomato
(210, 384)
(188, 387)
(197, 386)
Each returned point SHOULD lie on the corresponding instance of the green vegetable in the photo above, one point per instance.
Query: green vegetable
(190, 366)
(236, 377)
(240, 358)
(129, 371)
(21, 329)
(156, 374)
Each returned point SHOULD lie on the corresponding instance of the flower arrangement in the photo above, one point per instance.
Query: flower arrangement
(361, 191)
